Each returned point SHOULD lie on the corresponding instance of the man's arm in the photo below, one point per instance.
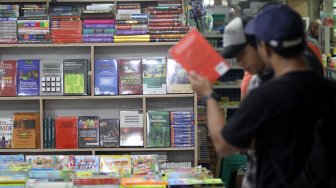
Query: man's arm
(215, 117)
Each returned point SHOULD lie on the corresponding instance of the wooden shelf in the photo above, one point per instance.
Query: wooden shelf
(213, 35)
(236, 67)
(88, 44)
(93, 149)
(26, 1)
(19, 98)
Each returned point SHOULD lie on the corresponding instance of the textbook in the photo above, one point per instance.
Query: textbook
(194, 53)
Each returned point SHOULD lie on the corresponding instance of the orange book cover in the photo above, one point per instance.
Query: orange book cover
(66, 132)
(194, 53)
(26, 130)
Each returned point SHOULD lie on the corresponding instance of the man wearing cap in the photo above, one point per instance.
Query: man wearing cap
(274, 118)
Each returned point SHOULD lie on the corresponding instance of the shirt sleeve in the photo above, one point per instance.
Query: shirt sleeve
(246, 121)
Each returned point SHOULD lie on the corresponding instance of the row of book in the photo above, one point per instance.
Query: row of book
(164, 129)
(111, 77)
(98, 22)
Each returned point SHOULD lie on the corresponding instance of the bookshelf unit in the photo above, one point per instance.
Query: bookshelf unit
(104, 106)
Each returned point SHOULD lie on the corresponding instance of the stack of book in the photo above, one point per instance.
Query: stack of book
(8, 26)
(131, 24)
(165, 23)
(98, 23)
(33, 26)
(66, 26)
(182, 129)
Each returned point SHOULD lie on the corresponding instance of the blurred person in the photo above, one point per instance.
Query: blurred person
(274, 118)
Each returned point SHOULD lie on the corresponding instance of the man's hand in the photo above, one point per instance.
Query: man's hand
(200, 84)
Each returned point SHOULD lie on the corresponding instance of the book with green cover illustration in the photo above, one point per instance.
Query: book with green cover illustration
(75, 72)
(158, 129)
(154, 75)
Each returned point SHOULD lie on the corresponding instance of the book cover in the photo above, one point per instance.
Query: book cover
(6, 132)
(154, 75)
(87, 163)
(120, 164)
(75, 76)
(158, 129)
(144, 165)
(51, 77)
(177, 78)
(7, 78)
(26, 130)
(129, 76)
(44, 161)
(131, 128)
(66, 132)
(67, 162)
(88, 131)
(28, 77)
(109, 132)
(105, 77)
(194, 53)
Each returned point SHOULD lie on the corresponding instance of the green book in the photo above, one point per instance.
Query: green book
(75, 76)
(158, 129)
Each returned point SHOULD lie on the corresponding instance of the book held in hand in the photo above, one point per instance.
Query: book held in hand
(194, 53)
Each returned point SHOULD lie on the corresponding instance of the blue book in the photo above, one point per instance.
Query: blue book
(28, 78)
(105, 77)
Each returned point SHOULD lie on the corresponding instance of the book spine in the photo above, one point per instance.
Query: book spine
(131, 16)
(110, 21)
(131, 27)
(99, 26)
(102, 35)
(128, 7)
(164, 40)
(131, 32)
(157, 24)
(45, 144)
(131, 40)
(129, 11)
(131, 21)
(88, 31)
(166, 36)
(98, 39)
(164, 16)
(174, 28)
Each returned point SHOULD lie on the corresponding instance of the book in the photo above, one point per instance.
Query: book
(131, 128)
(66, 132)
(154, 75)
(6, 132)
(88, 131)
(177, 78)
(87, 163)
(109, 133)
(67, 162)
(75, 76)
(120, 164)
(158, 129)
(129, 76)
(26, 130)
(7, 78)
(194, 53)
(51, 77)
(28, 78)
(106, 77)
(44, 161)
(144, 165)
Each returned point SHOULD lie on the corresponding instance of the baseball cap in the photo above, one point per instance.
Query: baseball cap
(281, 28)
(234, 39)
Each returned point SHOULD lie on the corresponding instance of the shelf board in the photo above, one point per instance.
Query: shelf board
(26, 1)
(88, 44)
(115, 97)
(237, 67)
(218, 49)
(92, 149)
(226, 86)
(19, 98)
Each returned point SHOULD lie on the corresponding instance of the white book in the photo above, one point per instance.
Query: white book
(6, 132)
(51, 77)
(131, 128)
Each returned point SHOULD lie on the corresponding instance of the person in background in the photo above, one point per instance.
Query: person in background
(273, 118)
(313, 51)
(313, 31)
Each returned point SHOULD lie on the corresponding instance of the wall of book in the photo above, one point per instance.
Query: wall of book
(86, 22)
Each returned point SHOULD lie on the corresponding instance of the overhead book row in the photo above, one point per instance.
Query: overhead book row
(162, 21)
(110, 77)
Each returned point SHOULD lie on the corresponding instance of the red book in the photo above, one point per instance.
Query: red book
(194, 53)
(7, 78)
(66, 132)
(130, 76)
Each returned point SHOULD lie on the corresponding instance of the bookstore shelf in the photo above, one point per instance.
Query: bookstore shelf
(93, 1)
(213, 35)
(89, 44)
(94, 149)
(26, 1)
(18, 98)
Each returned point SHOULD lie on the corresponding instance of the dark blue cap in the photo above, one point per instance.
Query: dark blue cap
(281, 28)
